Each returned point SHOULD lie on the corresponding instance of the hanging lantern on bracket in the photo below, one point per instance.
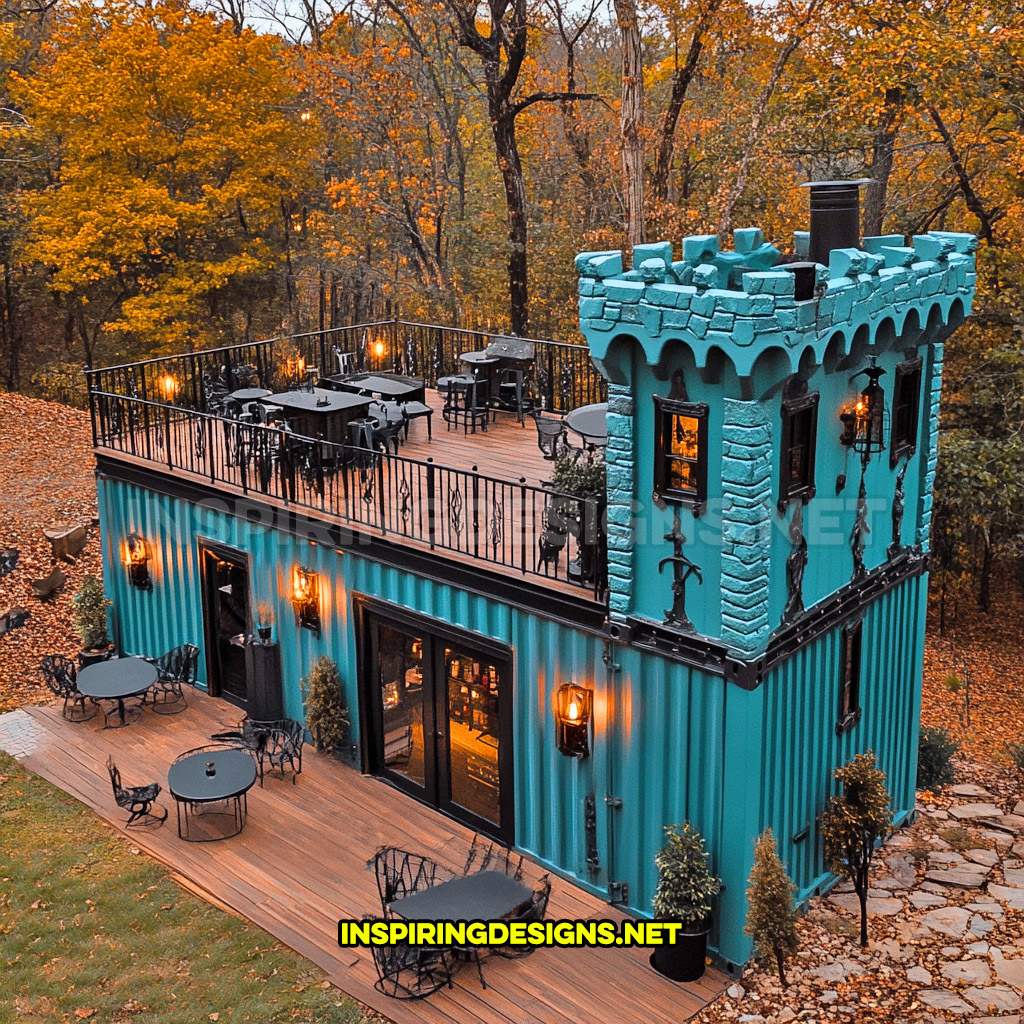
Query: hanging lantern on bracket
(864, 419)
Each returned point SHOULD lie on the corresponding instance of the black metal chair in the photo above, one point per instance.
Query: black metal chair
(177, 668)
(410, 972)
(552, 540)
(61, 677)
(401, 873)
(551, 439)
(275, 743)
(347, 361)
(137, 800)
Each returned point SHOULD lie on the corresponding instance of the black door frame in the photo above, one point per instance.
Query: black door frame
(367, 610)
(230, 554)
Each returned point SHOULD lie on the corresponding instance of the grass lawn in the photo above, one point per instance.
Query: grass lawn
(90, 931)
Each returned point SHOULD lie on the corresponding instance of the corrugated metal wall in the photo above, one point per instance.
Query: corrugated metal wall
(672, 743)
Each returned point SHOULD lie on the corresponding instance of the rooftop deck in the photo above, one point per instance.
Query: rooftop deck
(300, 865)
(470, 496)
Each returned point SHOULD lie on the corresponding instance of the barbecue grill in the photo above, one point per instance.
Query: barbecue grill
(516, 355)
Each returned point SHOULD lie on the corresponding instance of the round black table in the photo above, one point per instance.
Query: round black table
(116, 680)
(243, 395)
(590, 422)
(191, 784)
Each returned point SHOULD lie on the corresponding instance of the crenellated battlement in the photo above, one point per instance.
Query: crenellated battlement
(745, 301)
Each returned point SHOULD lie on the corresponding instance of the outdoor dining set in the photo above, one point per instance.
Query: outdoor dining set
(210, 782)
(354, 415)
(491, 886)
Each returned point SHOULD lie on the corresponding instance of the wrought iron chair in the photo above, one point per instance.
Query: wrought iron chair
(551, 439)
(390, 422)
(61, 677)
(410, 972)
(347, 361)
(401, 873)
(277, 743)
(137, 800)
(177, 669)
(553, 538)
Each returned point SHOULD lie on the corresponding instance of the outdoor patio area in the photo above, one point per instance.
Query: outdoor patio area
(301, 864)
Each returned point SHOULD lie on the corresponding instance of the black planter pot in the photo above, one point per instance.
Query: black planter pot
(94, 655)
(684, 959)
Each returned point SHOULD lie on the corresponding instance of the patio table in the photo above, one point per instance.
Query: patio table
(396, 388)
(591, 423)
(245, 395)
(483, 896)
(191, 784)
(321, 413)
(117, 680)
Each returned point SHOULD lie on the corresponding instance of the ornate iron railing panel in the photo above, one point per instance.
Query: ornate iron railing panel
(563, 375)
(511, 525)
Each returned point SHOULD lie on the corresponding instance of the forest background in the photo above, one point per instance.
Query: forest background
(176, 175)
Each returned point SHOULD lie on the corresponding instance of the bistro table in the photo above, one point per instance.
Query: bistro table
(483, 367)
(116, 680)
(482, 896)
(591, 423)
(244, 395)
(320, 413)
(388, 386)
(192, 783)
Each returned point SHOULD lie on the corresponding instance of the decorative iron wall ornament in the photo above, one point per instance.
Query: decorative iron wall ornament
(590, 830)
(898, 504)
(860, 528)
(682, 570)
(796, 564)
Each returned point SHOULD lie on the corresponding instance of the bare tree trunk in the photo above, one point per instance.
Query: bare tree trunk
(883, 151)
(631, 122)
(754, 131)
(681, 79)
(511, 167)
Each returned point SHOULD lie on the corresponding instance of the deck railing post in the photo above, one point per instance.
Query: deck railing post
(431, 512)
(522, 524)
(167, 435)
(92, 403)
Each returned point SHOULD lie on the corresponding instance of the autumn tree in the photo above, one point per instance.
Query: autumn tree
(500, 41)
(179, 154)
(771, 913)
(853, 822)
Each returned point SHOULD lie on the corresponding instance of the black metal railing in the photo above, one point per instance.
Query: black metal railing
(512, 525)
(563, 374)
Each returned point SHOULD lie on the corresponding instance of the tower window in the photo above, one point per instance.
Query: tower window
(681, 451)
(906, 407)
(799, 433)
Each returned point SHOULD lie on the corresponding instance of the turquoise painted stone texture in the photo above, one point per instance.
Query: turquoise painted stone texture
(709, 300)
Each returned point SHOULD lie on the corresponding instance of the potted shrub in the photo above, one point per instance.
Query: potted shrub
(585, 479)
(326, 709)
(91, 604)
(685, 890)
(264, 621)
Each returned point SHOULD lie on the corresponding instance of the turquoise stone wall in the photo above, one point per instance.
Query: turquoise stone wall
(739, 335)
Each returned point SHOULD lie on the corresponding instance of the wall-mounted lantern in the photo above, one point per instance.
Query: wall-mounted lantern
(135, 556)
(378, 348)
(295, 369)
(306, 597)
(575, 704)
(864, 420)
(168, 388)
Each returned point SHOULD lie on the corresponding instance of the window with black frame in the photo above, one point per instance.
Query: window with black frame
(849, 677)
(799, 446)
(906, 406)
(681, 451)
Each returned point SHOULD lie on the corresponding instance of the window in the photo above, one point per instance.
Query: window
(849, 677)
(906, 405)
(681, 451)
(799, 431)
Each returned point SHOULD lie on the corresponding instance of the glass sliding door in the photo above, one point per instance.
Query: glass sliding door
(441, 718)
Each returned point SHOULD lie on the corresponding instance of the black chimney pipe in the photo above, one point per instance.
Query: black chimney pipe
(835, 217)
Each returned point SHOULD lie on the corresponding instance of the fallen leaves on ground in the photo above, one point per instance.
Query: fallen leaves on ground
(48, 477)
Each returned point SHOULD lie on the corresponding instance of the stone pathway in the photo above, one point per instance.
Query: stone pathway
(19, 734)
(946, 908)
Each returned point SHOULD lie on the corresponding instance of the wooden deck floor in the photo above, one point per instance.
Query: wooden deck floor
(301, 864)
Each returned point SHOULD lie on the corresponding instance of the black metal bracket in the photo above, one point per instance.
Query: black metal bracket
(618, 892)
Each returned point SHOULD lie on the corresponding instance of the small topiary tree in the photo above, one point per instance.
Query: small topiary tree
(853, 822)
(91, 604)
(326, 709)
(771, 913)
(935, 752)
(685, 885)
